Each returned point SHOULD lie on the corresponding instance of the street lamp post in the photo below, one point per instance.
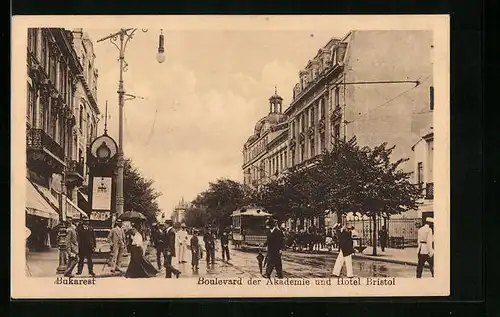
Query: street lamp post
(61, 234)
(124, 36)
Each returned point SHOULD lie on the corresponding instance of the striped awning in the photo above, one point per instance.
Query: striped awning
(36, 204)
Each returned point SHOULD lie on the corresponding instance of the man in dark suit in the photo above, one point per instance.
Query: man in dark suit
(346, 251)
(158, 234)
(209, 240)
(224, 241)
(86, 245)
(274, 243)
(168, 236)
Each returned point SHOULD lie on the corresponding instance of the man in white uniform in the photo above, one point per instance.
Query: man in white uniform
(425, 248)
(182, 241)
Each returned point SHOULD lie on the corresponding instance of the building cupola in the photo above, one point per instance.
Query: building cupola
(275, 102)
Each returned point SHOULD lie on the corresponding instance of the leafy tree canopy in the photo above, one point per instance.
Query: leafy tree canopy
(139, 192)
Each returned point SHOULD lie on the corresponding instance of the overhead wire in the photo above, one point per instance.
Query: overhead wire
(388, 101)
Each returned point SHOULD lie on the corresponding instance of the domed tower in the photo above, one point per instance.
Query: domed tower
(275, 102)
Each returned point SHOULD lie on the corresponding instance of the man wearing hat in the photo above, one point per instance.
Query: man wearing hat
(194, 243)
(425, 249)
(159, 237)
(86, 245)
(181, 242)
(169, 251)
(209, 239)
(275, 244)
(346, 251)
(118, 244)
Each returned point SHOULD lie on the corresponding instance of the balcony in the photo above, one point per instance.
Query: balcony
(336, 114)
(75, 173)
(42, 149)
(429, 191)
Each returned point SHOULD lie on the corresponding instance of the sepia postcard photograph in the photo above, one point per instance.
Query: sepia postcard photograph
(230, 156)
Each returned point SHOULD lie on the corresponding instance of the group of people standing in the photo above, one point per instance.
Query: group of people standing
(178, 241)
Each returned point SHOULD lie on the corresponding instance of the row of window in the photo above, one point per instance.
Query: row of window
(268, 168)
(334, 57)
(52, 63)
(255, 151)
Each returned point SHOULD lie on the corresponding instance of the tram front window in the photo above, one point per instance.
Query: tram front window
(255, 226)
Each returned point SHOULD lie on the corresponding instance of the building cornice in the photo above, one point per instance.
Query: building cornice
(322, 79)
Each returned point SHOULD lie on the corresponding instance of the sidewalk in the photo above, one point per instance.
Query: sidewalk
(406, 256)
(45, 263)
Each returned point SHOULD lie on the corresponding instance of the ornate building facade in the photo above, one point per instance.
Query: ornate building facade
(86, 105)
(54, 168)
(179, 213)
(375, 85)
(265, 152)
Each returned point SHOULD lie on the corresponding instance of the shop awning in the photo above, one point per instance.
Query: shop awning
(36, 204)
(73, 210)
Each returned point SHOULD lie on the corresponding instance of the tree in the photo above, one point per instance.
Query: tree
(139, 192)
(196, 217)
(376, 186)
(220, 200)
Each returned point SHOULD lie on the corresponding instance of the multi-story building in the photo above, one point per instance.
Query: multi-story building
(86, 106)
(423, 173)
(375, 85)
(54, 170)
(265, 152)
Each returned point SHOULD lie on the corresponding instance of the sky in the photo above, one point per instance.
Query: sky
(202, 103)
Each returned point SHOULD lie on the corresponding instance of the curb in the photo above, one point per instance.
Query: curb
(368, 257)
(374, 258)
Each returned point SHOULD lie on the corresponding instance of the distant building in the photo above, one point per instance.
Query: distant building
(179, 213)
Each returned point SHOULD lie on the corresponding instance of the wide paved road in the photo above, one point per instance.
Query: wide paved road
(295, 264)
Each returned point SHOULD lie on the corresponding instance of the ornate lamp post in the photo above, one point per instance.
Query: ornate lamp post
(124, 36)
(61, 235)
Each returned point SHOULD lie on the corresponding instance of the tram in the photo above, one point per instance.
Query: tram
(249, 227)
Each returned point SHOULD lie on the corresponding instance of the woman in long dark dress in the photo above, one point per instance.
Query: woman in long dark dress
(139, 266)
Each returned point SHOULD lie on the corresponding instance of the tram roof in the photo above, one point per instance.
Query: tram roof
(251, 211)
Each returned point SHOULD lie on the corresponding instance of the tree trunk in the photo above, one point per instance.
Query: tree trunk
(339, 217)
(374, 218)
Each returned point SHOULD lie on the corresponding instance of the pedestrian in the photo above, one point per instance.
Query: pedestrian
(71, 247)
(86, 245)
(329, 239)
(425, 248)
(224, 241)
(383, 237)
(345, 253)
(209, 240)
(275, 245)
(355, 237)
(159, 236)
(181, 243)
(116, 238)
(139, 266)
(194, 244)
(169, 250)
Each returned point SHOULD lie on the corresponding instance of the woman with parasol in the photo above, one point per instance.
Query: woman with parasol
(139, 266)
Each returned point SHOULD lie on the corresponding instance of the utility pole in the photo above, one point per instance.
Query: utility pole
(124, 36)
